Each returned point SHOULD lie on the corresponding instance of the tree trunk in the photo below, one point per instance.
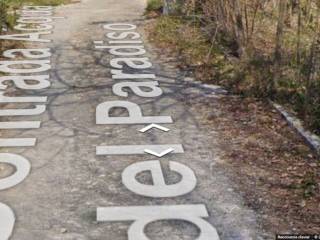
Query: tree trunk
(299, 33)
(239, 28)
(279, 44)
(280, 31)
(313, 74)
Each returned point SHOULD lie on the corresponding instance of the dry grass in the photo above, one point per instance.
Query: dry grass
(186, 40)
(154, 5)
(214, 59)
(19, 3)
(271, 167)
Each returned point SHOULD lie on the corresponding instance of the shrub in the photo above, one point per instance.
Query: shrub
(154, 5)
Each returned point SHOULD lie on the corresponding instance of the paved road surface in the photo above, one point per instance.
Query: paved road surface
(68, 181)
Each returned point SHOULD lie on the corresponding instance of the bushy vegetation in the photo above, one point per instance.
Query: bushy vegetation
(260, 48)
(3, 14)
(154, 5)
(18, 3)
(8, 10)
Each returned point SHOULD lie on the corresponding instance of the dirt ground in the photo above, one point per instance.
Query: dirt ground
(271, 167)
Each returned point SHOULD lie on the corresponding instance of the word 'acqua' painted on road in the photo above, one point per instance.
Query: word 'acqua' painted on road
(126, 45)
(25, 69)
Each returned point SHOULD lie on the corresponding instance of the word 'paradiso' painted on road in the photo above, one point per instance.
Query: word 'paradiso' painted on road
(26, 74)
(126, 45)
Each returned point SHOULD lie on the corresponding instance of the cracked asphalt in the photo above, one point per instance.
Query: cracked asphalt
(68, 181)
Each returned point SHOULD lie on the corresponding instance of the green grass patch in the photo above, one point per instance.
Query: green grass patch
(250, 76)
(18, 3)
(9, 15)
(187, 39)
(154, 5)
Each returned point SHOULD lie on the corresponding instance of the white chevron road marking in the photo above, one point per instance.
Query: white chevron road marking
(153, 125)
(163, 153)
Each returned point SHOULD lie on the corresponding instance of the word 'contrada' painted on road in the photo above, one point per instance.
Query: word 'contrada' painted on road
(25, 68)
(126, 45)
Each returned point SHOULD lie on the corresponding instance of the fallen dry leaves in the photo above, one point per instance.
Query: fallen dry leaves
(275, 172)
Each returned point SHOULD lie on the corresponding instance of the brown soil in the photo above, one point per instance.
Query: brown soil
(271, 166)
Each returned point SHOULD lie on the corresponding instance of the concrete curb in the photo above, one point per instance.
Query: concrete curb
(214, 88)
(311, 139)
